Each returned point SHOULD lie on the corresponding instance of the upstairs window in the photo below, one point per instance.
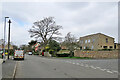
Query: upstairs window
(106, 40)
(85, 41)
(92, 47)
(81, 41)
(93, 40)
(88, 40)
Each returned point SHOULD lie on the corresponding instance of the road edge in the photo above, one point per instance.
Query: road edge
(15, 69)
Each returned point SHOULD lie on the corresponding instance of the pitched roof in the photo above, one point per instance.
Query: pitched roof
(96, 34)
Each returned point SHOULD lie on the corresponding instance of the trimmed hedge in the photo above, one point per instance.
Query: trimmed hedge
(63, 55)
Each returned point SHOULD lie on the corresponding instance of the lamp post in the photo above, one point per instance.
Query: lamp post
(9, 38)
(4, 39)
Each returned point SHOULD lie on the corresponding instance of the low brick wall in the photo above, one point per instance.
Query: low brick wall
(96, 54)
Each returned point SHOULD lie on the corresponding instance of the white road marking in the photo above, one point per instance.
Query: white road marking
(114, 71)
(98, 67)
(103, 69)
(81, 65)
(93, 67)
(109, 71)
(73, 63)
(77, 64)
(86, 65)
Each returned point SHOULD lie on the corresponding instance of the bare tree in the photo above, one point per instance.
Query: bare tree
(70, 42)
(45, 29)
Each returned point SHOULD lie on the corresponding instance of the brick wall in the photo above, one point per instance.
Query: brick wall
(96, 54)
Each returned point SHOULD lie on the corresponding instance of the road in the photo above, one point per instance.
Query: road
(43, 67)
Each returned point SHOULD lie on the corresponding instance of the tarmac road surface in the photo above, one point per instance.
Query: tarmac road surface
(43, 67)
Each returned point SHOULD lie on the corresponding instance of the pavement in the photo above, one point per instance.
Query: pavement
(8, 69)
(43, 67)
(1, 68)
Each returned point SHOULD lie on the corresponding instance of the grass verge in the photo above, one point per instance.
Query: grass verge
(0, 56)
(75, 57)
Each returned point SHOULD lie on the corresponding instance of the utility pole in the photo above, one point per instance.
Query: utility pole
(9, 38)
(4, 39)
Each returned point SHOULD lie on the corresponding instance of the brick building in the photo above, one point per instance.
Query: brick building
(96, 41)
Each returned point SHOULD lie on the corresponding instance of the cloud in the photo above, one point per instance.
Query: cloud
(80, 18)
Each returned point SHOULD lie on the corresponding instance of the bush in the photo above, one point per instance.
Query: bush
(0, 56)
(51, 51)
(63, 55)
(11, 52)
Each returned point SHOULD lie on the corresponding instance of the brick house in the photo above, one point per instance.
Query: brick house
(96, 41)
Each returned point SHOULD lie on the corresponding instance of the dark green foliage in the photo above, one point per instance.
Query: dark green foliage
(32, 42)
(11, 52)
(63, 55)
(54, 45)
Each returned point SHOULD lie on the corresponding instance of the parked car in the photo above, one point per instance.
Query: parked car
(29, 53)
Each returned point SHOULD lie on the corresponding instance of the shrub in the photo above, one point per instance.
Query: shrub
(63, 55)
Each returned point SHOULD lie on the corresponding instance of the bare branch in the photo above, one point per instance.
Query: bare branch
(45, 29)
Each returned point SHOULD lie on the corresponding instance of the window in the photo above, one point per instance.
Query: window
(105, 47)
(85, 41)
(80, 47)
(81, 41)
(106, 40)
(115, 46)
(93, 40)
(111, 47)
(92, 47)
(84, 47)
(88, 40)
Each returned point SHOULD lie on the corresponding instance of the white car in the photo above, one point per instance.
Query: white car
(29, 53)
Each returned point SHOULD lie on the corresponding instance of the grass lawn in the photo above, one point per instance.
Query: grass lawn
(75, 57)
(0, 56)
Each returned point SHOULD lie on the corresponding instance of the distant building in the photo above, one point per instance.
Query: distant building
(96, 41)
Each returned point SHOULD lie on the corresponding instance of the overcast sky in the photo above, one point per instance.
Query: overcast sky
(79, 18)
